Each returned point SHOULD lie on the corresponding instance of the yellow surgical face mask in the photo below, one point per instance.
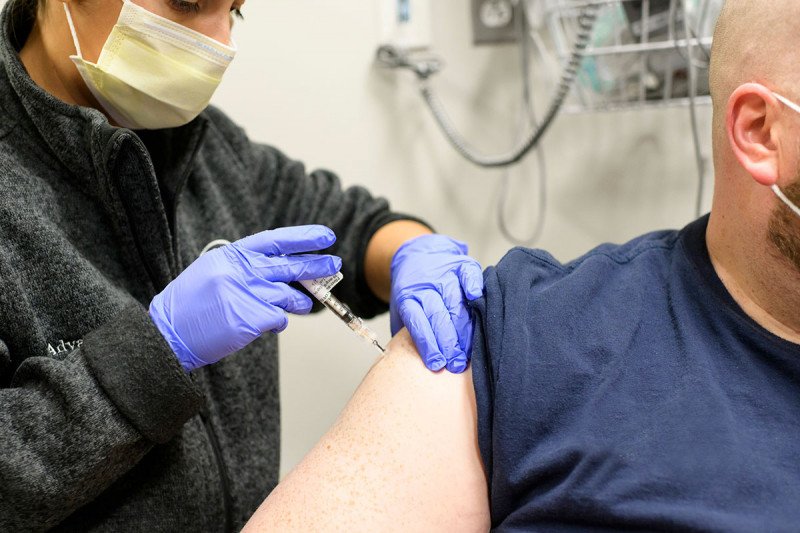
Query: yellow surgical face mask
(153, 73)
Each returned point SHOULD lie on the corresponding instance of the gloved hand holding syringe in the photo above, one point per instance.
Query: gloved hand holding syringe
(321, 290)
(235, 292)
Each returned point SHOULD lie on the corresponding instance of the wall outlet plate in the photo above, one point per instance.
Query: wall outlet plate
(495, 21)
(405, 24)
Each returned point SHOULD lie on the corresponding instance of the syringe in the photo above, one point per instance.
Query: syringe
(321, 289)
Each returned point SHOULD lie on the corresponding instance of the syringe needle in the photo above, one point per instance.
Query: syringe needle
(377, 344)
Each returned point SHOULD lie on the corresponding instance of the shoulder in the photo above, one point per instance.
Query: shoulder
(531, 298)
(543, 325)
(225, 140)
(225, 135)
(539, 271)
(613, 254)
(233, 136)
(221, 124)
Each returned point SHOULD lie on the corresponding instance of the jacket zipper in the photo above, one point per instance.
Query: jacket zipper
(223, 471)
(210, 432)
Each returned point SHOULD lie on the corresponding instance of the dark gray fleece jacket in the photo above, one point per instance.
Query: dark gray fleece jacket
(100, 428)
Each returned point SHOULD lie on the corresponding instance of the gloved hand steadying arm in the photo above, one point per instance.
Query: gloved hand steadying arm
(229, 296)
(432, 279)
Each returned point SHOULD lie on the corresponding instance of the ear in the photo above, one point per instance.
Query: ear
(751, 125)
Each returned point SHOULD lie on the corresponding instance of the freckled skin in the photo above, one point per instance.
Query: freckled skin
(403, 456)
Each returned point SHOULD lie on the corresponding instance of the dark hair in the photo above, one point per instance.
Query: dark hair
(25, 6)
(25, 12)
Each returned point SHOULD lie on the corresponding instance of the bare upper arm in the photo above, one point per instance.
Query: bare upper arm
(403, 456)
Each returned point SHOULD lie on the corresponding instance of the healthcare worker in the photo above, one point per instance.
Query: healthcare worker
(122, 404)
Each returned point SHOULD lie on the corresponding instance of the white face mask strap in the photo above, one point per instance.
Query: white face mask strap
(72, 29)
(779, 193)
(788, 103)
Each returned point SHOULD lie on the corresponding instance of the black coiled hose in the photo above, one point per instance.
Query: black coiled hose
(586, 22)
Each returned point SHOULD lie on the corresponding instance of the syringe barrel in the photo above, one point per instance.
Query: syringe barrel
(321, 290)
(339, 309)
(355, 323)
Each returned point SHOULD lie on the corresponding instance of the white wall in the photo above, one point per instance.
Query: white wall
(304, 81)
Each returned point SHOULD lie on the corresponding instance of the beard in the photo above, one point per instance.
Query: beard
(784, 226)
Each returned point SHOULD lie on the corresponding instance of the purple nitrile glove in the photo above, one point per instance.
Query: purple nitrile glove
(230, 296)
(432, 280)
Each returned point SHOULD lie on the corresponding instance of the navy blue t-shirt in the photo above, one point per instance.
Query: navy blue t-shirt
(628, 391)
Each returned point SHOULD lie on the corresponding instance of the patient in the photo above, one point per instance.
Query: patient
(653, 385)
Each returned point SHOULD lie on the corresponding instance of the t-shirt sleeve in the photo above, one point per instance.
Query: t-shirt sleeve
(483, 378)
(500, 329)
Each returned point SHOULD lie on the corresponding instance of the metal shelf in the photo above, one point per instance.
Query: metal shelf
(643, 53)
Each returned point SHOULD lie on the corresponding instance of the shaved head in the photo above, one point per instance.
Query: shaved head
(755, 41)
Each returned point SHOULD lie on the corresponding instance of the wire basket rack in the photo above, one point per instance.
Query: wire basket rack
(643, 53)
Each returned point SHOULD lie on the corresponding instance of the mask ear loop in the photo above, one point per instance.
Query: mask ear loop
(779, 193)
(72, 30)
(788, 103)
